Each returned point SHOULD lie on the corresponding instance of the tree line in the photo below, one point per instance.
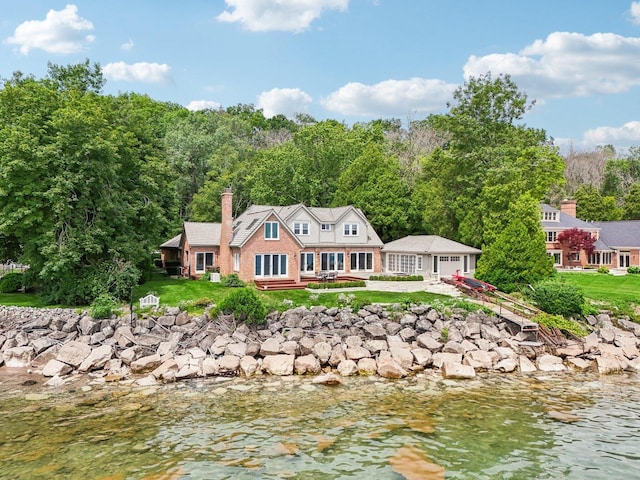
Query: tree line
(91, 184)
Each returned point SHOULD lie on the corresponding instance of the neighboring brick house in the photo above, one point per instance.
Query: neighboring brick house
(292, 242)
(617, 243)
(429, 256)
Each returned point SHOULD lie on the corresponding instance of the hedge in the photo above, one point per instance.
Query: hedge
(397, 278)
(329, 285)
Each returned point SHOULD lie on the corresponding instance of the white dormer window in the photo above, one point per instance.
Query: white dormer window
(301, 228)
(325, 227)
(350, 230)
(550, 216)
(271, 231)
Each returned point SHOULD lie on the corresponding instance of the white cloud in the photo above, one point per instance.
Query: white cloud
(626, 135)
(61, 31)
(390, 98)
(280, 15)
(635, 13)
(285, 101)
(128, 45)
(138, 72)
(567, 65)
(203, 105)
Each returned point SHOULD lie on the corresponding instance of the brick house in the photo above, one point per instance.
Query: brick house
(617, 243)
(291, 243)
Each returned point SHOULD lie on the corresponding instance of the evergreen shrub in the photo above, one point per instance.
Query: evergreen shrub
(558, 298)
(103, 306)
(245, 305)
(231, 280)
(331, 285)
(11, 282)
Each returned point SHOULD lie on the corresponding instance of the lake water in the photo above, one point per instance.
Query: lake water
(559, 426)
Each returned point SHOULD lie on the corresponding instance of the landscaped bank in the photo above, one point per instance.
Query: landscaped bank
(330, 343)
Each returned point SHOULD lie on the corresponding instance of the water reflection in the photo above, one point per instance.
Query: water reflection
(509, 426)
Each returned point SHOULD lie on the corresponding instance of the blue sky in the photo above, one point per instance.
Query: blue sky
(351, 60)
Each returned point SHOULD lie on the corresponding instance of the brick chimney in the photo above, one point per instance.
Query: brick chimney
(568, 207)
(226, 232)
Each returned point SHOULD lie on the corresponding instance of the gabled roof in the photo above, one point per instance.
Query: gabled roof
(565, 221)
(202, 234)
(428, 244)
(620, 234)
(173, 243)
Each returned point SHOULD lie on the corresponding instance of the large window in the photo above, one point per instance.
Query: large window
(550, 216)
(204, 260)
(551, 236)
(403, 263)
(301, 228)
(350, 229)
(307, 262)
(361, 261)
(271, 265)
(600, 258)
(332, 261)
(271, 230)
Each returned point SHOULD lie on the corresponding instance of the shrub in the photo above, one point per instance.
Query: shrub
(205, 277)
(558, 298)
(603, 269)
(633, 270)
(330, 285)
(561, 323)
(245, 305)
(397, 278)
(103, 306)
(231, 280)
(11, 282)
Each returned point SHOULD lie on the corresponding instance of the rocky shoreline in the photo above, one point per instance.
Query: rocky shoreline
(329, 343)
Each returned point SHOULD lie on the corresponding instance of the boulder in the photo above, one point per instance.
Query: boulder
(506, 365)
(356, 353)
(307, 364)
(526, 365)
(346, 368)
(453, 347)
(271, 346)
(97, 358)
(73, 353)
(388, 367)
(550, 363)
(248, 366)
(367, 366)
(403, 356)
(440, 357)
(56, 367)
(166, 370)
(237, 349)
(480, 360)
(228, 365)
(328, 379)
(41, 344)
(322, 351)
(422, 356)
(607, 364)
(425, 340)
(290, 347)
(457, 370)
(337, 355)
(209, 367)
(579, 364)
(306, 345)
(278, 364)
(146, 364)
(375, 330)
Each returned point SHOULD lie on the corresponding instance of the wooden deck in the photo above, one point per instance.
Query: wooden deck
(290, 284)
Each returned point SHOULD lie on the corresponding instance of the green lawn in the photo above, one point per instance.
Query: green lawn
(21, 300)
(617, 293)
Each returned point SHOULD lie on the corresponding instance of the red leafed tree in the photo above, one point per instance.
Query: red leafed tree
(575, 240)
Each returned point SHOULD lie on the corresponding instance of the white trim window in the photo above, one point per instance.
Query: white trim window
(271, 231)
(401, 263)
(465, 264)
(436, 264)
(271, 265)
(301, 228)
(419, 264)
(204, 260)
(551, 237)
(325, 227)
(350, 229)
(550, 216)
(332, 261)
(307, 262)
(236, 262)
(361, 261)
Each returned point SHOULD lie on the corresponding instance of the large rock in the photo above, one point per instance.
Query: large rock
(425, 340)
(367, 366)
(375, 331)
(337, 355)
(322, 351)
(388, 367)
(457, 370)
(356, 353)
(403, 356)
(328, 379)
(307, 364)
(550, 363)
(526, 365)
(491, 333)
(506, 365)
(422, 356)
(228, 365)
(146, 364)
(166, 370)
(346, 368)
(97, 358)
(73, 353)
(480, 360)
(439, 358)
(579, 364)
(18, 357)
(55, 367)
(248, 366)
(41, 344)
(278, 364)
(271, 346)
(606, 364)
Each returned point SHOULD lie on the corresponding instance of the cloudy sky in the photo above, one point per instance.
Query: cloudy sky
(351, 60)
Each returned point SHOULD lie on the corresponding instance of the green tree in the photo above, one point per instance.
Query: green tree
(593, 206)
(632, 203)
(487, 163)
(77, 190)
(373, 183)
(518, 255)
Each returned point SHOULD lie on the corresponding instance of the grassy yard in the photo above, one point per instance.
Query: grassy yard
(618, 292)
